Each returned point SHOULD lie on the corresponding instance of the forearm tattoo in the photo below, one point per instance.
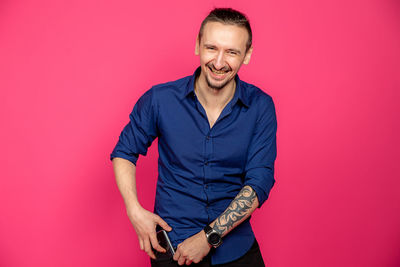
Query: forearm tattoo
(238, 209)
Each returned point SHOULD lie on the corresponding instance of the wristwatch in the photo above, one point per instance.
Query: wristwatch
(213, 238)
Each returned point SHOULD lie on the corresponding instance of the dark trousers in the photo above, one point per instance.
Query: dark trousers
(252, 258)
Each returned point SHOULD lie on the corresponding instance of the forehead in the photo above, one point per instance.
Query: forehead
(224, 35)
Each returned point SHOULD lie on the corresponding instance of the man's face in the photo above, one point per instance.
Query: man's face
(222, 50)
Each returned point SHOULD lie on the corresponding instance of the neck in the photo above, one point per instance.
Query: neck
(214, 98)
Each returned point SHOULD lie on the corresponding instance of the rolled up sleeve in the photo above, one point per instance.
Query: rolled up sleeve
(262, 152)
(141, 130)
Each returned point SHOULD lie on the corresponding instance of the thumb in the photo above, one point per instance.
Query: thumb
(163, 224)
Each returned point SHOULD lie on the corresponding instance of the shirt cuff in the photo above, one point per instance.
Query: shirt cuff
(118, 154)
(262, 192)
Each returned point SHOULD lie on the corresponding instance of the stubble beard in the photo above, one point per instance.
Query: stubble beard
(216, 86)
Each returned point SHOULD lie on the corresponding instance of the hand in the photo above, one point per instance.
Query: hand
(193, 249)
(145, 223)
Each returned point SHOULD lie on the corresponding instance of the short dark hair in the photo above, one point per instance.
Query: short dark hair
(231, 17)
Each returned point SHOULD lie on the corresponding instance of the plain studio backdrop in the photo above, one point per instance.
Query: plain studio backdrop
(71, 71)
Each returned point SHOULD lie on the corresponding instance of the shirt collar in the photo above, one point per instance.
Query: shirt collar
(240, 92)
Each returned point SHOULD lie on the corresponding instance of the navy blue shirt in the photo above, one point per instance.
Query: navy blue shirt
(202, 169)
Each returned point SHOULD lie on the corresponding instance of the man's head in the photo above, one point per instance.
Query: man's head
(228, 16)
(223, 44)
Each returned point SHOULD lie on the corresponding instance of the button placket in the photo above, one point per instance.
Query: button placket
(207, 166)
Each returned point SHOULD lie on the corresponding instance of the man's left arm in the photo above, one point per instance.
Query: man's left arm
(196, 247)
(259, 180)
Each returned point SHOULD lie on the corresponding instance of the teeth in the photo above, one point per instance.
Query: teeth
(218, 71)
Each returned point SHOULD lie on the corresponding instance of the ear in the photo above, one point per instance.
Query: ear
(247, 57)
(197, 47)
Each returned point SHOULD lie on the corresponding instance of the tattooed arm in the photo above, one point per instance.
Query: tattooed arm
(240, 209)
(194, 248)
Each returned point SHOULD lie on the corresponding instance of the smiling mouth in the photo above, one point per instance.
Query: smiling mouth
(219, 72)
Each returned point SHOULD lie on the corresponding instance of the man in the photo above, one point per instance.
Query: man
(217, 147)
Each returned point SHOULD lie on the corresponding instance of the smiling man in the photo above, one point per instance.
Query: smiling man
(217, 147)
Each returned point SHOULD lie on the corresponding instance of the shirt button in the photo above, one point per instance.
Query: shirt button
(208, 137)
(206, 186)
(206, 163)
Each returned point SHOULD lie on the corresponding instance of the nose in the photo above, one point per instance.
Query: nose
(219, 62)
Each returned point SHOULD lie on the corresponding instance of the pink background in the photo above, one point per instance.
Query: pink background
(71, 71)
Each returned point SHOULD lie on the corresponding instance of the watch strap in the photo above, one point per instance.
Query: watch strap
(207, 229)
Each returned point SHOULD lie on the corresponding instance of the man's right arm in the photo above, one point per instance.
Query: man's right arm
(143, 221)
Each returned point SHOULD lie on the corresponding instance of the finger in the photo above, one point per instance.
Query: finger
(141, 244)
(181, 260)
(177, 254)
(147, 248)
(188, 262)
(163, 224)
(155, 244)
(197, 260)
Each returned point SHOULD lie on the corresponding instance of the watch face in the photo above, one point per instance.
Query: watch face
(214, 239)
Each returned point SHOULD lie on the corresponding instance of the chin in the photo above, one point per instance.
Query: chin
(216, 86)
